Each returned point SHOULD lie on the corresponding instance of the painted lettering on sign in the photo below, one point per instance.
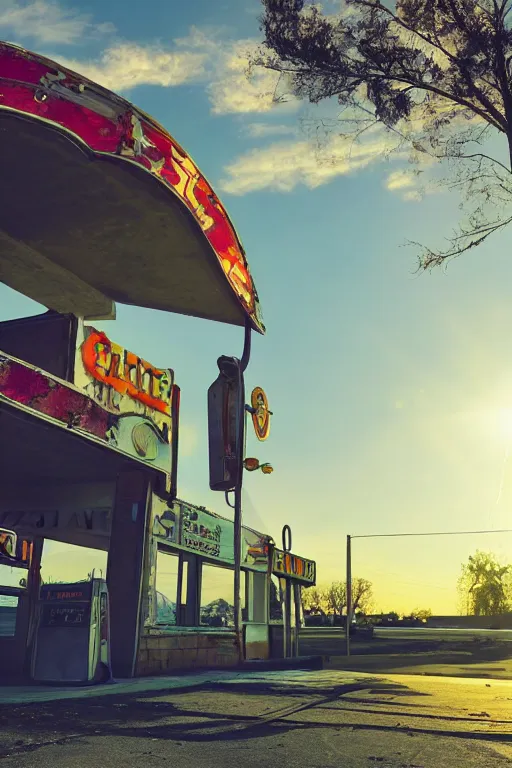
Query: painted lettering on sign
(192, 525)
(95, 520)
(287, 564)
(204, 532)
(126, 373)
(70, 616)
(66, 595)
(199, 545)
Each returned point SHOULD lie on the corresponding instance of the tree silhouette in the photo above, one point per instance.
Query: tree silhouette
(314, 599)
(434, 75)
(485, 586)
(336, 597)
(333, 598)
(422, 613)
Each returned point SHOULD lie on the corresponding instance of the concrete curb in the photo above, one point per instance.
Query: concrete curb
(270, 665)
(34, 694)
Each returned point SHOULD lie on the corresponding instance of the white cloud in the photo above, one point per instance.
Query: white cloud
(126, 65)
(261, 130)
(407, 184)
(222, 65)
(413, 196)
(47, 22)
(399, 180)
(235, 86)
(285, 165)
(236, 89)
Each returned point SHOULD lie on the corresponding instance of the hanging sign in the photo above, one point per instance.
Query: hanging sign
(255, 550)
(293, 566)
(126, 374)
(143, 399)
(205, 533)
(260, 413)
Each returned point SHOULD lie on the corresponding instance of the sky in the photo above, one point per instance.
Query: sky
(391, 390)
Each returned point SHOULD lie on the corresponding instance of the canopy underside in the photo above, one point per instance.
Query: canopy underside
(79, 232)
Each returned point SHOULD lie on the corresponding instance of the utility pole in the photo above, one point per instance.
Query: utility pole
(394, 536)
(349, 593)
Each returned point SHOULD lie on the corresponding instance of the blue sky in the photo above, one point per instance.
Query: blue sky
(392, 391)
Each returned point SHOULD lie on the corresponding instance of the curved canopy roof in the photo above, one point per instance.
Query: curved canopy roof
(100, 204)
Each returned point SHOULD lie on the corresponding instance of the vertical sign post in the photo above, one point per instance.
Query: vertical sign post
(226, 429)
(288, 596)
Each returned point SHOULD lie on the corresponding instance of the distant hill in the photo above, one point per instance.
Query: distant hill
(165, 610)
(218, 613)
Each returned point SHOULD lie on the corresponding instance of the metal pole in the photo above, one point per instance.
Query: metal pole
(349, 593)
(237, 539)
(298, 616)
(288, 619)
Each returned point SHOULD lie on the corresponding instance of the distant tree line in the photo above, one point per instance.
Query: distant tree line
(332, 598)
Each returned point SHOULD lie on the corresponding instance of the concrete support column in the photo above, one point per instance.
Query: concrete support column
(125, 568)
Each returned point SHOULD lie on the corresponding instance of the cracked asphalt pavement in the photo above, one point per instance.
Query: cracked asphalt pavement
(294, 718)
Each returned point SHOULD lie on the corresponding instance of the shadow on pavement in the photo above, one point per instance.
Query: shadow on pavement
(30, 727)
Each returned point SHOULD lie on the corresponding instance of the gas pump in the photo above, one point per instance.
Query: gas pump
(72, 643)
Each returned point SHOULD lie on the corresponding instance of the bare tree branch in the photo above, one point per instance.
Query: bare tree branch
(437, 74)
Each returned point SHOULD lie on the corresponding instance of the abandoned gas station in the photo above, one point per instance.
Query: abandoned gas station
(100, 205)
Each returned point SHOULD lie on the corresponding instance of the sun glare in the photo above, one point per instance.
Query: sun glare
(505, 422)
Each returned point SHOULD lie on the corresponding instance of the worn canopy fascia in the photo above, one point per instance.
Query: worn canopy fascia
(101, 205)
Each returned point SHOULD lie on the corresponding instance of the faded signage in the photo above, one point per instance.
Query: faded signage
(144, 398)
(255, 550)
(27, 386)
(7, 544)
(286, 564)
(111, 127)
(76, 592)
(260, 413)
(69, 616)
(165, 520)
(140, 437)
(23, 555)
(96, 521)
(120, 372)
(67, 595)
(205, 533)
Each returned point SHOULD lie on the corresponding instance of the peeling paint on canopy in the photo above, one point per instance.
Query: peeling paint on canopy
(112, 128)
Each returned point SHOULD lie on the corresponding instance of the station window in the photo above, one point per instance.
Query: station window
(244, 594)
(276, 600)
(167, 567)
(217, 590)
(13, 577)
(8, 610)
(184, 582)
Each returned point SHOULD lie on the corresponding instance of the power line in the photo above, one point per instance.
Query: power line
(438, 533)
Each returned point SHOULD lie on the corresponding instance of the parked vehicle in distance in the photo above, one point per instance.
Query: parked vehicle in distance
(359, 624)
(394, 620)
